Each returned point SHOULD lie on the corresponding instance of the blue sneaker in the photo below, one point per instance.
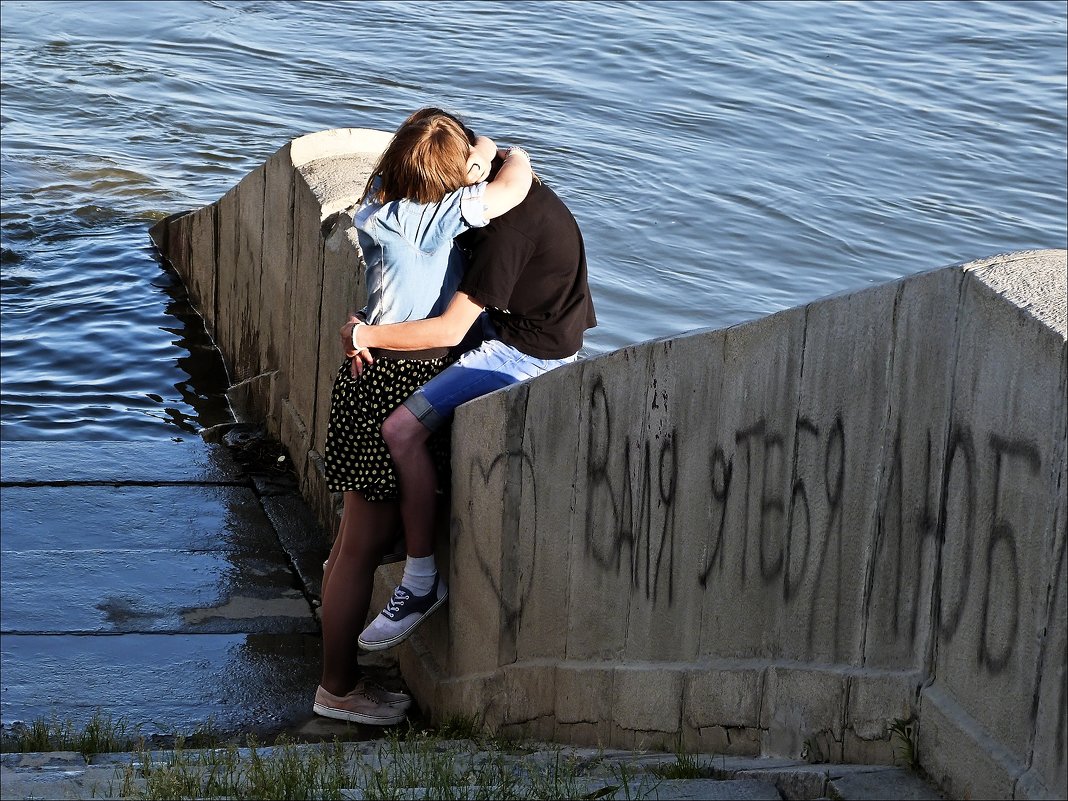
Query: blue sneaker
(402, 615)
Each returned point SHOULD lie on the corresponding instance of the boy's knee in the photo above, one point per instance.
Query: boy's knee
(402, 430)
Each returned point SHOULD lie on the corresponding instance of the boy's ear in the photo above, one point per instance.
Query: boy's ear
(477, 168)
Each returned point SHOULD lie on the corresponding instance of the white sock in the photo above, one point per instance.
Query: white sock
(419, 573)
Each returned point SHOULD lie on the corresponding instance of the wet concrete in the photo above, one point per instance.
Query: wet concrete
(169, 584)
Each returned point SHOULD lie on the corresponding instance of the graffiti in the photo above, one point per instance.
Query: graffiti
(786, 543)
(907, 538)
(631, 512)
(776, 510)
(1001, 550)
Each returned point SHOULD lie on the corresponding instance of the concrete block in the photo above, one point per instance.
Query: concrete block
(594, 735)
(343, 293)
(83, 782)
(959, 754)
(748, 495)
(240, 233)
(734, 740)
(584, 693)
(726, 767)
(892, 784)
(308, 332)
(250, 399)
(546, 478)
(724, 695)
(531, 693)
(201, 270)
(1047, 776)
(802, 709)
(324, 505)
(338, 180)
(479, 483)
(702, 790)
(867, 751)
(226, 255)
(1002, 483)
(338, 142)
(647, 698)
(275, 286)
(668, 500)
(899, 573)
(844, 403)
(296, 439)
(1034, 281)
(803, 781)
(607, 546)
(878, 698)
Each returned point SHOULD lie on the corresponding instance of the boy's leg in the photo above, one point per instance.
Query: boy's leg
(407, 438)
(489, 367)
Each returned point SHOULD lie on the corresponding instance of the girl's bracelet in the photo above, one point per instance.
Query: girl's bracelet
(520, 151)
(355, 328)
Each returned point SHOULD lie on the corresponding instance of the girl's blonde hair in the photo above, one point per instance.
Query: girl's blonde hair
(425, 160)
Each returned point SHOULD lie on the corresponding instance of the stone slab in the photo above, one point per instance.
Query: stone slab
(892, 784)
(162, 683)
(302, 538)
(139, 461)
(220, 518)
(708, 789)
(55, 782)
(102, 559)
(161, 591)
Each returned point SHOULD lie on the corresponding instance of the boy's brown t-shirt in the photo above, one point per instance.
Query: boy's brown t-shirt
(528, 268)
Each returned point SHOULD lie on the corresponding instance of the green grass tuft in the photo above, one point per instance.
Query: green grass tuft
(102, 734)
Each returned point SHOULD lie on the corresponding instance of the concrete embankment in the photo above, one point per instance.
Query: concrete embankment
(792, 536)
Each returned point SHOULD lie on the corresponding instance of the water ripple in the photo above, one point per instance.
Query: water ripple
(725, 160)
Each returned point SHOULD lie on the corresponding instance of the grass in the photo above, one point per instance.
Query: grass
(903, 736)
(402, 765)
(685, 766)
(102, 734)
(455, 760)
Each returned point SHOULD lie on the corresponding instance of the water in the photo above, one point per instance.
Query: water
(725, 160)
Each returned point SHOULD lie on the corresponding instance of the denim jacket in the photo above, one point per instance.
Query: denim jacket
(413, 267)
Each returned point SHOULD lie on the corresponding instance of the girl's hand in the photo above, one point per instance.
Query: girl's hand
(360, 360)
(360, 357)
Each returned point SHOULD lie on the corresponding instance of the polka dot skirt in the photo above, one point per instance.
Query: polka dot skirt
(357, 458)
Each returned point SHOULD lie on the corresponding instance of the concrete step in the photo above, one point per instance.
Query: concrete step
(593, 773)
(147, 581)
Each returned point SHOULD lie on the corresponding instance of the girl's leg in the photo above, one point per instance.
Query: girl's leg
(365, 535)
(346, 513)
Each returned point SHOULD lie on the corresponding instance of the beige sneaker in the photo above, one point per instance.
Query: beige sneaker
(397, 700)
(358, 707)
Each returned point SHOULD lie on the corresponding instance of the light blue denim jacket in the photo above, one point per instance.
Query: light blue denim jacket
(413, 267)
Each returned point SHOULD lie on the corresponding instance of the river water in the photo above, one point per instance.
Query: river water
(725, 160)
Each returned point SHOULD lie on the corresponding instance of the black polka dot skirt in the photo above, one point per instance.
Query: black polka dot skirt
(357, 459)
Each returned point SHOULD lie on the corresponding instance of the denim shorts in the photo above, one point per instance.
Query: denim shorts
(492, 365)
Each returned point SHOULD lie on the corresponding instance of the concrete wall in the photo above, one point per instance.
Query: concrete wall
(776, 538)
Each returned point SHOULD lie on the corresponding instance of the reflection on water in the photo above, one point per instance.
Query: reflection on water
(725, 160)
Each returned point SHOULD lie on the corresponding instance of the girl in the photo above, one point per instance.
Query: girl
(428, 186)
